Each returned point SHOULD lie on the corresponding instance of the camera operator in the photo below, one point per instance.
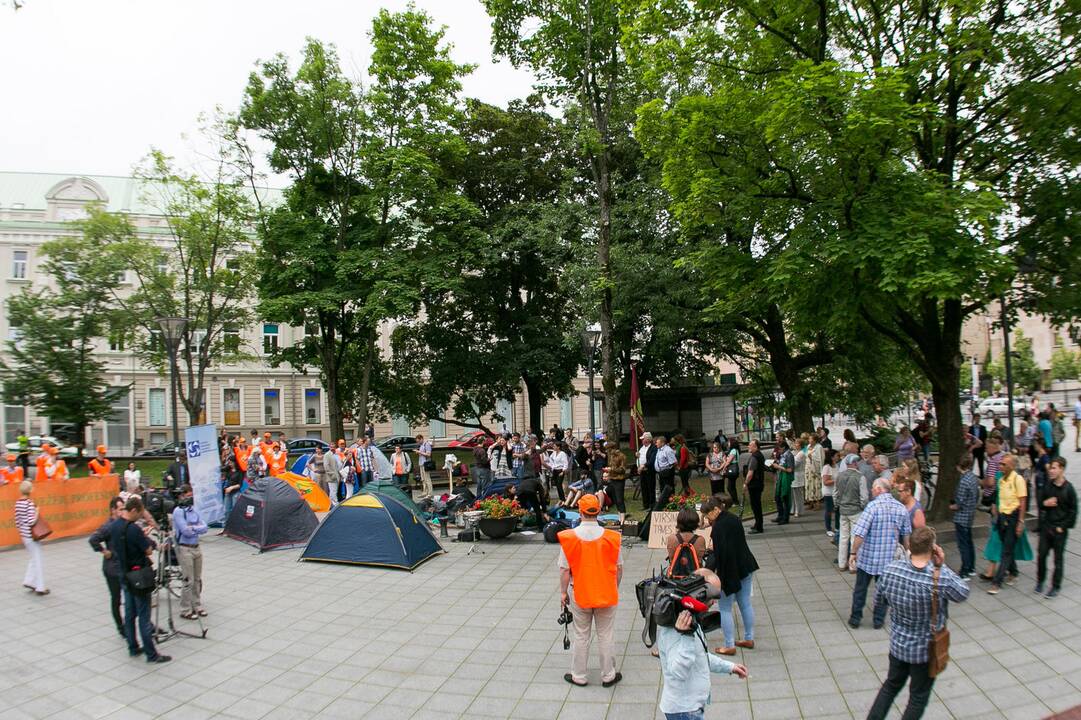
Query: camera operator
(591, 560)
(686, 666)
(188, 526)
(133, 549)
(110, 566)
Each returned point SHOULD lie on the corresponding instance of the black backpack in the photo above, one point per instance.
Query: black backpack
(552, 530)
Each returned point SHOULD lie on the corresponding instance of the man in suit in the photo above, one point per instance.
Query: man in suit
(978, 432)
(178, 474)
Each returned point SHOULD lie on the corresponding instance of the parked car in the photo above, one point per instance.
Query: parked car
(303, 446)
(36, 442)
(998, 407)
(408, 443)
(168, 449)
(472, 439)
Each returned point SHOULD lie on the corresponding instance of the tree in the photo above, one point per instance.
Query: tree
(364, 168)
(201, 268)
(52, 364)
(898, 144)
(1026, 373)
(574, 47)
(495, 321)
(1065, 364)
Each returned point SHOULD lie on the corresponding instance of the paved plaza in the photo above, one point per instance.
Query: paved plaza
(475, 636)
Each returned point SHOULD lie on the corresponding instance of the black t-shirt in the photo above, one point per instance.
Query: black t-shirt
(130, 544)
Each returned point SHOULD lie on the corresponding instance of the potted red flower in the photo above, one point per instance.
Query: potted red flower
(500, 516)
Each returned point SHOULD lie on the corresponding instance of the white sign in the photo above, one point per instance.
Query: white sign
(204, 465)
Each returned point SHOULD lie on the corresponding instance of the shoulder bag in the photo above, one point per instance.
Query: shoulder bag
(938, 649)
(40, 529)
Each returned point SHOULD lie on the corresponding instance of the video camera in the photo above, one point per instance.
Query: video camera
(661, 600)
(159, 504)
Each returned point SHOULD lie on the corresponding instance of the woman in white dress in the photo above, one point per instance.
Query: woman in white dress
(799, 477)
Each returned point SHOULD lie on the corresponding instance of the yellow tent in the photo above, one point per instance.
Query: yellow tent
(311, 492)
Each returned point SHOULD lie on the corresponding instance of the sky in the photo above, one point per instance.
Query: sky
(91, 85)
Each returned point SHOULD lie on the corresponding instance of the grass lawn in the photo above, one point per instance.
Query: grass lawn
(700, 484)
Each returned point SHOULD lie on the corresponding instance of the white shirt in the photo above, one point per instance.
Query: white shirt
(557, 460)
(642, 454)
(132, 478)
(827, 472)
(1077, 410)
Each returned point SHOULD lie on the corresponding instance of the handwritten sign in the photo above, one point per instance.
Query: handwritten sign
(663, 524)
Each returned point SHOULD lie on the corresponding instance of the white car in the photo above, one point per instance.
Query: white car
(36, 442)
(999, 407)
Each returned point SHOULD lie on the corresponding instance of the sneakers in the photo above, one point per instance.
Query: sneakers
(829, 533)
(157, 659)
(993, 590)
(1038, 589)
(1053, 592)
(854, 624)
(1011, 580)
(966, 575)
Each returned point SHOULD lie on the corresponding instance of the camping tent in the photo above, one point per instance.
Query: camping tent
(301, 463)
(392, 489)
(311, 492)
(270, 514)
(383, 469)
(372, 529)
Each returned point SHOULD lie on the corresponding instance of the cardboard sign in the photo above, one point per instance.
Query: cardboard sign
(663, 524)
(73, 507)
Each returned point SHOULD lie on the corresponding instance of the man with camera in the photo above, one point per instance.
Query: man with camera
(591, 561)
(188, 526)
(133, 548)
(686, 666)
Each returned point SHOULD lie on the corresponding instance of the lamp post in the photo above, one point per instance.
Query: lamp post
(589, 345)
(1007, 359)
(172, 329)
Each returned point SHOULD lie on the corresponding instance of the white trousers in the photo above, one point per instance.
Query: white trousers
(605, 621)
(35, 568)
(848, 523)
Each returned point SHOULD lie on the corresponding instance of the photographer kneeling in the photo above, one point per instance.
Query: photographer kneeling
(189, 526)
(133, 548)
(686, 666)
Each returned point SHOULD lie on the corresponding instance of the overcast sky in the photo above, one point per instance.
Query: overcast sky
(90, 85)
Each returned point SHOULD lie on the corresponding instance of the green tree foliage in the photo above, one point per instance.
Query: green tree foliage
(365, 171)
(1027, 375)
(53, 364)
(1065, 364)
(881, 150)
(500, 323)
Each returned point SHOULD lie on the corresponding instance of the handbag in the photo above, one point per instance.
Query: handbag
(141, 579)
(938, 648)
(40, 529)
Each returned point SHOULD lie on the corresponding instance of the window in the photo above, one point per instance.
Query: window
(272, 407)
(504, 409)
(157, 341)
(118, 424)
(566, 412)
(232, 264)
(437, 428)
(349, 434)
(270, 338)
(598, 415)
(158, 438)
(313, 409)
(231, 406)
(311, 330)
(198, 337)
(14, 422)
(399, 426)
(156, 407)
(18, 264)
(314, 434)
(231, 338)
(14, 323)
(123, 277)
(116, 339)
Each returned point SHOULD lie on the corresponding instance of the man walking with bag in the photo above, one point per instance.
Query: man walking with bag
(918, 591)
(591, 561)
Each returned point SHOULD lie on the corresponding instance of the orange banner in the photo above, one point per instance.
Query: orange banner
(72, 507)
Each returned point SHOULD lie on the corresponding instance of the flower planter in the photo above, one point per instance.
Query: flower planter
(496, 528)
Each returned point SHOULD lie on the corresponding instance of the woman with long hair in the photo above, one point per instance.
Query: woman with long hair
(735, 566)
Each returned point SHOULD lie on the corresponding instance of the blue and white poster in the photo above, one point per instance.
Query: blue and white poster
(204, 464)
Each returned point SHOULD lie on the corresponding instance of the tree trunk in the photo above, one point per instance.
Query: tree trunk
(334, 408)
(536, 402)
(799, 404)
(604, 238)
(366, 381)
(950, 436)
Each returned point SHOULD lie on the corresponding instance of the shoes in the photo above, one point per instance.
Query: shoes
(748, 644)
(201, 612)
(136, 652)
(725, 651)
(795, 514)
(1011, 580)
(986, 578)
(829, 533)
(42, 592)
(854, 624)
(188, 615)
(775, 520)
(993, 590)
(159, 659)
(1038, 589)
(965, 575)
(613, 681)
(757, 531)
(877, 626)
(28, 587)
(570, 678)
(1053, 592)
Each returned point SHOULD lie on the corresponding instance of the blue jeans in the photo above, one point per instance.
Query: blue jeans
(746, 612)
(361, 479)
(692, 715)
(137, 605)
(827, 503)
(859, 599)
(964, 545)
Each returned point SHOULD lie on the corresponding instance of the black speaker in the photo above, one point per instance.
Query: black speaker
(468, 535)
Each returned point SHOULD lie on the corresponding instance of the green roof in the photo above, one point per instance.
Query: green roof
(28, 191)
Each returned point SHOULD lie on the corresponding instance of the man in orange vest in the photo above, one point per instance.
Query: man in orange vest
(276, 460)
(265, 444)
(242, 452)
(40, 463)
(12, 473)
(53, 468)
(590, 561)
(101, 465)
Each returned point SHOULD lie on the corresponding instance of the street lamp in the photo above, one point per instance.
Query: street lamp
(590, 336)
(172, 329)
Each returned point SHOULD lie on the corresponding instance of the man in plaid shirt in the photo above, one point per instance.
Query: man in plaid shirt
(883, 524)
(905, 585)
(965, 500)
(365, 464)
(517, 450)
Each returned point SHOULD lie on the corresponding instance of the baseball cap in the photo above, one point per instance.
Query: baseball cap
(589, 506)
(645, 435)
(11, 457)
(101, 449)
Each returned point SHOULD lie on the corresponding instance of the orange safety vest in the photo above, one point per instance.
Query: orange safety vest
(60, 471)
(593, 567)
(242, 453)
(100, 467)
(11, 474)
(276, 464)
(39, 473)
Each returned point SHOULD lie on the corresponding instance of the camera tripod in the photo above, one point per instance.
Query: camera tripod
(170, 581)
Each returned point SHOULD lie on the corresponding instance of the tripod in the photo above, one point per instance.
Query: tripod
(170, 582)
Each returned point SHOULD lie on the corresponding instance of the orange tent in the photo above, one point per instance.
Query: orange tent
(311, 492)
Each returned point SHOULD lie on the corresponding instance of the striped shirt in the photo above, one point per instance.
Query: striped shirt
(364, 458)
(26, 514)
(907, 591)
(882, 525)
